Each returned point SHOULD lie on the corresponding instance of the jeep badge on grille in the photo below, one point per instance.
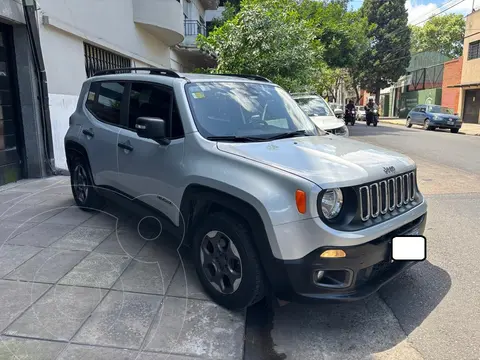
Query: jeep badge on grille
(389, 169)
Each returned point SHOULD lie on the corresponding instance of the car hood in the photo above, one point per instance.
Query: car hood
(445, 116)
(327, 122)
(328, 161)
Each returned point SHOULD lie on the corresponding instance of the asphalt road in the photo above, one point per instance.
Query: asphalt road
(430, 312)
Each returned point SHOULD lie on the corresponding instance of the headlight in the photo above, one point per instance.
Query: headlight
(341, 131)
(332, 202)
(435, 117)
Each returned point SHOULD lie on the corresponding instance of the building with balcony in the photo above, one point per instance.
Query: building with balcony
(469, 86)
(79, 38)
(186, 55)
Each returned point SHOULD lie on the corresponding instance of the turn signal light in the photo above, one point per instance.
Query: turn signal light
(301, 200)
(333, 254)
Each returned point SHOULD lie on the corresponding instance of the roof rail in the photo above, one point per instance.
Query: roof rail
(303, 93)
(251, 77)
(152, 71)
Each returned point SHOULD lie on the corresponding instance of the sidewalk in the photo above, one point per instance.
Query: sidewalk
(79, 285)
(467, 129)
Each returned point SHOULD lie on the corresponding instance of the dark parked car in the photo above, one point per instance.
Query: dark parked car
(433, 117)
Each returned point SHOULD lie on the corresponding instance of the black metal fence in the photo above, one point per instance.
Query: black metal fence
(427, 78)
(194, 27)
(97, 59)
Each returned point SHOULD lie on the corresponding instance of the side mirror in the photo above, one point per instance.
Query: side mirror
(338, 112)
(152, 128)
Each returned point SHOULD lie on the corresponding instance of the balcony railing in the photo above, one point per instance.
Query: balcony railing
(194, 27)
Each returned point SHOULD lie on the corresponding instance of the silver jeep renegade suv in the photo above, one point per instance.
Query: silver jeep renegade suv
(268, 203)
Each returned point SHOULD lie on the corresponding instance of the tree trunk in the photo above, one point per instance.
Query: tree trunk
(357, 94)
(377, 95)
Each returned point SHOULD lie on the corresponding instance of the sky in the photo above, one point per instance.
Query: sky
(421, 10)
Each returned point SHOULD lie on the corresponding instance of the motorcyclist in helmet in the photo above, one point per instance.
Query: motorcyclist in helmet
(350, 105)
(369, 109)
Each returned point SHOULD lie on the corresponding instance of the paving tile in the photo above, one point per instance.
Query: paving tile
(197, 328)
(97, 270)
(144, 275)
(70, 216)
(156, 248)
(15, 297)
(28, 349)
(9, 229)
(82, 352)
(42, 235)
(58, 314)
(48, 266)
(12, 256)
(102, 220)
(122, 319)
(186, 284)
(30, 213)
(12, 197)
(82, 238)
(122, 242)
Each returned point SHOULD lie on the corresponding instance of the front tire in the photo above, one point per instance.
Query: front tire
(83, 188)
(455, 131)
(426, 125)
(226, 262)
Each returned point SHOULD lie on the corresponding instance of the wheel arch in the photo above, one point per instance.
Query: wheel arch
(72, 148)
(199, 200)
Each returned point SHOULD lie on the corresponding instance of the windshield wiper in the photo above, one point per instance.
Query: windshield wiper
(235, 138)
(286, 135)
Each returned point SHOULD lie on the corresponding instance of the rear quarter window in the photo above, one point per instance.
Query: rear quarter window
(104, 100)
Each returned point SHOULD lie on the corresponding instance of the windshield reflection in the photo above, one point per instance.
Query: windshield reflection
(251, 111)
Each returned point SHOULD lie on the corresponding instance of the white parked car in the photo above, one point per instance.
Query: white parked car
(321, 113)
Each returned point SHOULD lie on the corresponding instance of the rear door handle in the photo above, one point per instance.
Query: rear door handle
(88, 132)
(125, 146)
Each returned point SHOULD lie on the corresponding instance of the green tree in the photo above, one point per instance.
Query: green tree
(443, 34)
(268, 38)
(388, 53)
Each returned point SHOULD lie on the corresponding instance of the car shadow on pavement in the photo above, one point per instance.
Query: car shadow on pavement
(374, 328)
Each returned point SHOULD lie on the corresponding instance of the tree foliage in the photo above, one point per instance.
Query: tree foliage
(268, 38)
(388, 54)
(443, 34)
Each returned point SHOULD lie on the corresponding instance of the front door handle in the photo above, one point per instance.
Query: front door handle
(88, 132)
(125, 146)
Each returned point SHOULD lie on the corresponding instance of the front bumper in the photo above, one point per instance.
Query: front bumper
(444, 125)
(367, 267)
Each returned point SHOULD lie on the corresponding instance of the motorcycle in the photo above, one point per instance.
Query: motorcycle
(374, 115)
(350, 116)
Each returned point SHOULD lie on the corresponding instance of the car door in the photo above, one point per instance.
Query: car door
(149, 171)
(100, 132)
(421, 114)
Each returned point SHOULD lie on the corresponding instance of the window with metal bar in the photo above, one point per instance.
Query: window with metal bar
(97, 59)
(474, 50)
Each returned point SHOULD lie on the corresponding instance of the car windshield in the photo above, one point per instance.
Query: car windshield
(314, 106)
(243, 109)
(439, 109)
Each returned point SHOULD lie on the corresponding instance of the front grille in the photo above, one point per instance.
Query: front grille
(386, 195)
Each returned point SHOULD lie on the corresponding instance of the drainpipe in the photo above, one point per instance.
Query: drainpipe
(29, 10)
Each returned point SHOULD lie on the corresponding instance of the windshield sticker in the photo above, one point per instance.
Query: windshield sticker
(198, 95)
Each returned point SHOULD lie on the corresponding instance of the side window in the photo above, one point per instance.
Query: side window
(104, 100)
(148, 100)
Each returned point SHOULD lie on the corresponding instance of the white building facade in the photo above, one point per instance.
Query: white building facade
(79, 38)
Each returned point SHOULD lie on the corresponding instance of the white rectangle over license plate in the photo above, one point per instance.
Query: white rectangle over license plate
(409, 248)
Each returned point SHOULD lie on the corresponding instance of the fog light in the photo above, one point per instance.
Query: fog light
(333, 254)
(319, 275)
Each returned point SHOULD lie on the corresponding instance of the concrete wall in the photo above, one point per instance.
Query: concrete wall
(471, 68)
(11, 11)
(214, 14)
(452, 75)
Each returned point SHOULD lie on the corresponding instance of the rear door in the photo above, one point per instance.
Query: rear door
(105, 109)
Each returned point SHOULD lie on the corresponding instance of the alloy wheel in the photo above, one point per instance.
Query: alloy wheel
(221, 262)
(80, 183)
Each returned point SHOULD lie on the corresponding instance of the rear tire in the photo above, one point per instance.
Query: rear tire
(83, 189)
(217, 264)
(408, 123)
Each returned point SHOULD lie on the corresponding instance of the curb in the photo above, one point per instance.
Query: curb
(388, 121)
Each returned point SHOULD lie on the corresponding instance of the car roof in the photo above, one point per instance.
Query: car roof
(170, 76)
